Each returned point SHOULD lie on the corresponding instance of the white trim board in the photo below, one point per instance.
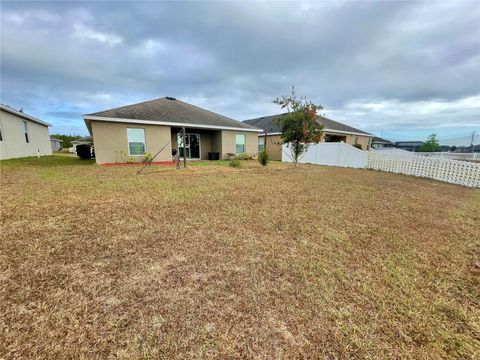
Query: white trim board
(167, 123)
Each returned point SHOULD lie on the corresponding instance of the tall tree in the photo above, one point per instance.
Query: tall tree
(299, 126)
(431, 145)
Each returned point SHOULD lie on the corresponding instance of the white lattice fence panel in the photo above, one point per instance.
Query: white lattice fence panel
(451, 171)
(449, 155)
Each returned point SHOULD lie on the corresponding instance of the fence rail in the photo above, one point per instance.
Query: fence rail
(451, 171)
(450, 155)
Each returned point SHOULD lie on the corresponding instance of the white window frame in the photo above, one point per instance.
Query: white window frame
(144, 142)
(244, 143)
(261, 141)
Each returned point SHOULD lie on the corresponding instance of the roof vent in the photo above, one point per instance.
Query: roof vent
(170, 98)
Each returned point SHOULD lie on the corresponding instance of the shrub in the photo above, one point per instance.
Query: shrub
(244, 156)
(358, 146)
(263, 158)
(84, 151)
(147, 158)
(235, 163)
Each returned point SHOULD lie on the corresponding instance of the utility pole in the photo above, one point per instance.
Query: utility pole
(471, 142)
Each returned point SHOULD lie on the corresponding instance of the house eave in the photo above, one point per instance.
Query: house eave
(325, 130)
(346, 132)
(22, 115)
(166, 123)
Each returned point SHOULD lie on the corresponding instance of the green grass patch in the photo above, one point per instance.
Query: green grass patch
(45, 161)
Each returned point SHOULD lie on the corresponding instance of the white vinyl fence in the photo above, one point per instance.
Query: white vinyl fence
(399, 162)
(451, 171)
(450, 155)
(332, 154)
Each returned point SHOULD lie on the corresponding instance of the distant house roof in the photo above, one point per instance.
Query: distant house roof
(23, 115)
(409, 143)
(168, 111)
(55, 139)
(270, 124)
(379, 140)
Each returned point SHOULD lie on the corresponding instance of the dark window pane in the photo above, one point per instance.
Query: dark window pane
(136, 148)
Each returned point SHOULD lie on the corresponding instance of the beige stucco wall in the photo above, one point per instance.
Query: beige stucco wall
(362, 140)
(14, 145)
(229, 142)
(216, 142)
(111, 144)
(274, 143)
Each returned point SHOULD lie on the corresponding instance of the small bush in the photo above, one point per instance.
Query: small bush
(244, 156)
(84, 151)
(358, 146)
(147, 158)
(235, 163)
(263, 158)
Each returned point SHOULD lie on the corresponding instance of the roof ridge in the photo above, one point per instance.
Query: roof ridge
(127, 106)
(169, 109)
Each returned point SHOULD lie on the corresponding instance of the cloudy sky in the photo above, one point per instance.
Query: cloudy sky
(394, 67)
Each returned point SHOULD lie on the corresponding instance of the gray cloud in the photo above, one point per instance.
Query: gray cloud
(365, 62)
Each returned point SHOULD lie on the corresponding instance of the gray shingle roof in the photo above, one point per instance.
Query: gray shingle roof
(271, 124)
(168, 109)
(380, 140)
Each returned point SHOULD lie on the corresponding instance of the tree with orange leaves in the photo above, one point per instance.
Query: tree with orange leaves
(299, 126)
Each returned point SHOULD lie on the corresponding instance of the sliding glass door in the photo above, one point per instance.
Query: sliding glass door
(192, 146)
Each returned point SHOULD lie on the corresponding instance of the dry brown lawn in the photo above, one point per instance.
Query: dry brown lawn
(217, 262)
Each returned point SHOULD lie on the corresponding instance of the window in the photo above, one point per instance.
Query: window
(355, 140)
(25, 130)
(240, 143)
(136, 141)
(261, 144)
(1, 136)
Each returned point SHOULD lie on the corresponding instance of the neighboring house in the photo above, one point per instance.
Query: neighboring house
(409, 145)
(333, 131)
(379, 143)
(127, 133)
(57, 144)
(83, 140)
(22, 135)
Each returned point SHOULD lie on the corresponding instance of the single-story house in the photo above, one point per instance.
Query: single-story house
(129, 132)
(22, 135)
(88, 140)
(379, 143)
(57, 144)
(333, 131)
